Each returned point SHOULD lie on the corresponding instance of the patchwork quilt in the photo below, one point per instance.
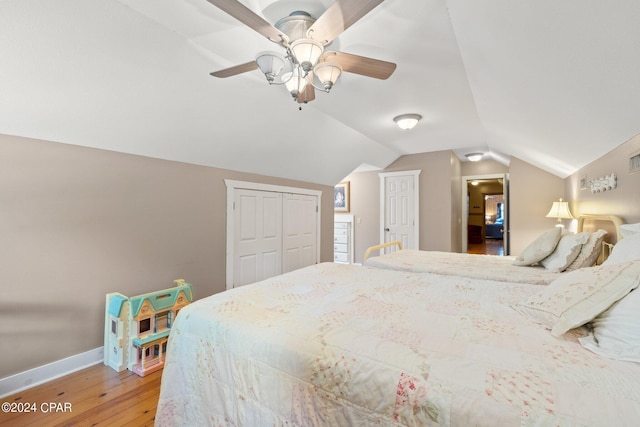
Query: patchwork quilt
(344, 345)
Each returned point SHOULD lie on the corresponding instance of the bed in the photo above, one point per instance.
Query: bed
(603, 231)
(337, 345)
(488, 267)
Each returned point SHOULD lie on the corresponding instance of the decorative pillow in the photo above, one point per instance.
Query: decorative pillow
(566, 251)
(616, 332)
(627, 249)
(628, 230)
(590, 251)
(579, 296)
(540, 248)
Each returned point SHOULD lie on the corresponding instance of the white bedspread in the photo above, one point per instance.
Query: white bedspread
(344, 345)
(486, 267)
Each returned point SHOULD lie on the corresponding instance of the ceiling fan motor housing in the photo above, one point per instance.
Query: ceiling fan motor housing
(296, 25)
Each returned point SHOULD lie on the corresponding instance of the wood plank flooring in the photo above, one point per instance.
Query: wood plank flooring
(488, 247)
(96, 396)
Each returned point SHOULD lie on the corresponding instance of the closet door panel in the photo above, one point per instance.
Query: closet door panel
(258, 227)
(300, 226)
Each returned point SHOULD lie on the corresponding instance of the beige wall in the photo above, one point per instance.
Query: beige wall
(440, 198)
(78, 223)
(531, 192)
(456, 203)
(484, 167)
(624, 201)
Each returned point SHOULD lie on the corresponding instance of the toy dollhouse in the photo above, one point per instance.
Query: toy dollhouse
(136, 329)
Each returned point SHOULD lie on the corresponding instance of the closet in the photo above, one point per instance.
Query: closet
(270, 230)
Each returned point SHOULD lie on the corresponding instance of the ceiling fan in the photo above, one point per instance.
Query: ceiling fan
(305, 65)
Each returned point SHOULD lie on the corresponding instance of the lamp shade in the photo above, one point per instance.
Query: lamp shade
(560, 210)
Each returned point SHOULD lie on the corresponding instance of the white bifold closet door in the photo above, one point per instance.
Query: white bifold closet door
(299, 231)
(274, 233)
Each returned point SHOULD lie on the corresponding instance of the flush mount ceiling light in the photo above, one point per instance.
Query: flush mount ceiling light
(474, 157)
(304, 65)
(407, 121)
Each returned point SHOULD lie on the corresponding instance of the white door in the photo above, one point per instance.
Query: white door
(299, 231)
(399, 208)
(258, 234)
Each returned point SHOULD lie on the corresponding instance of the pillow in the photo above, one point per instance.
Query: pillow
(628, 230)
(540, 248)
(565, 253)
(579, 296)
(616, 332)
(627, 249)
(590, 251)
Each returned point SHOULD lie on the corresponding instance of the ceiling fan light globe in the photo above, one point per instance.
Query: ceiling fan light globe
(270, 64)
(327, 73)
(307, 52)
(294, 82)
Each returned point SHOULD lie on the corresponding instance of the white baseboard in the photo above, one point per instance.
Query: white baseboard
(42, 374)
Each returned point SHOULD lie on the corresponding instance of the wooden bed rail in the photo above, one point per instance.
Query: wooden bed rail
(380, 246)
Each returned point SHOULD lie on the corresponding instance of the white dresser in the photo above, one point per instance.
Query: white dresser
(343, 239)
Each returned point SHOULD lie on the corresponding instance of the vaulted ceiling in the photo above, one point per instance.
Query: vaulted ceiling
(554, 83)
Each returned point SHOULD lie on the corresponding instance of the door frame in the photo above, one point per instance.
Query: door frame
(232, 185)
(416, 203)
(465, 208)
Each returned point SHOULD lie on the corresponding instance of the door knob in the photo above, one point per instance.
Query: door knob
(386, 229)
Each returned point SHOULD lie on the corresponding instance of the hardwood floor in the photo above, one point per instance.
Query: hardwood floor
(488, 247)
(96, 396)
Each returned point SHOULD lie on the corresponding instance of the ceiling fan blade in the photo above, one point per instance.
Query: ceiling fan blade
(361, 64)
(238, 69)
(249, 18)
(340, 16)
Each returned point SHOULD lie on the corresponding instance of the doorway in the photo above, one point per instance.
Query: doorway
(485, 216)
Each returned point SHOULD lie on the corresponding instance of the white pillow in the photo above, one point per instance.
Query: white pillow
(627, 249)
(540, 248)
(579, 296)
(628, 230)
(590, 251)
(616, 332)
(566, 252)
